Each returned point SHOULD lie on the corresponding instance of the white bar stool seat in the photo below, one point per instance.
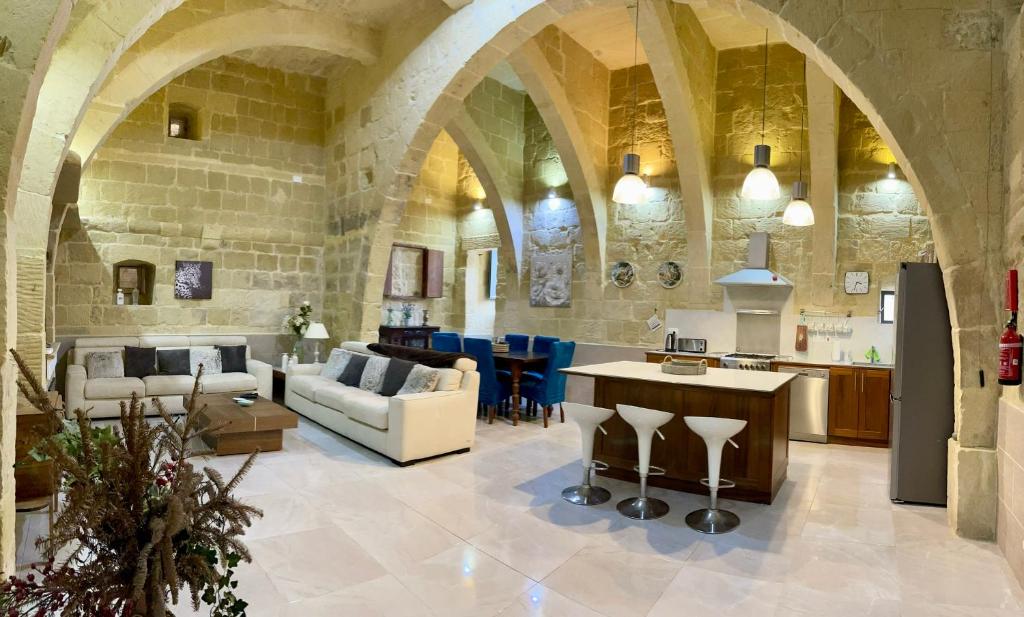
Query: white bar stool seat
(715, 432)
(589, 419)
(646, 423)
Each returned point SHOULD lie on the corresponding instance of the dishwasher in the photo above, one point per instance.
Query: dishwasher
(808, 404)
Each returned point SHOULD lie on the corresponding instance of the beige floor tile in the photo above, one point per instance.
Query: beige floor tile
(540, 601)
(381, 597)
(283, 513)
(850, 524)
(528, 544)
(613, 581)
(464, 582)
(398, 539)
(697, 592)
(314, 563)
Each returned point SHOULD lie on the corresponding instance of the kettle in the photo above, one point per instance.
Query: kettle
(670, 341)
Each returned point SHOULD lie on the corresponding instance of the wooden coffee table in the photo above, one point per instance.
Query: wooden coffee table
(243, 429)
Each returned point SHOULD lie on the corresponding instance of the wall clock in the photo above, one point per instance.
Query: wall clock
(857, 282)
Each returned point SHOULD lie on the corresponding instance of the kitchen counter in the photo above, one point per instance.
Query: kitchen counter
(761, 398)
(717, 378)
(657, 355)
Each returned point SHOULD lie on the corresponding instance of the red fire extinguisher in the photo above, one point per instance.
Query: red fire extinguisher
(1010, 343)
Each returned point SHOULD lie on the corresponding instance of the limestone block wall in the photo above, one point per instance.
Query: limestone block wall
(880, 219)
(498, 111)
(738, 105)
(430, 220)
(248, 196)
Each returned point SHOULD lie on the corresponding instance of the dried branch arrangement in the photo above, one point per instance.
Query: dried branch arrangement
(139, 525)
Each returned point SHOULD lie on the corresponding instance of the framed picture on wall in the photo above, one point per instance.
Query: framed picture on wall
(193, 280)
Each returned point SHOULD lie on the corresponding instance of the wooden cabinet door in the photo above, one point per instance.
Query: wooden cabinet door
(843, 402)
(874, 404)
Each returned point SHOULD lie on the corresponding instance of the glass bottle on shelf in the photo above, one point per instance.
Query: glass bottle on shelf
(119, 298)
(135, 296)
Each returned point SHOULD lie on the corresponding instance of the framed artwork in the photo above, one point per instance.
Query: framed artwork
(551, 280)
(193, 280)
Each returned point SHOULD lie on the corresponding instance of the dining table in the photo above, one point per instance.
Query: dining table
(515, 362)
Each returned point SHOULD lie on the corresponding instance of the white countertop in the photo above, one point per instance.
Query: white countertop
(725, 379)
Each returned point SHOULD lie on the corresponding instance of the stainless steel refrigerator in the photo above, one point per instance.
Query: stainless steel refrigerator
(922, 387)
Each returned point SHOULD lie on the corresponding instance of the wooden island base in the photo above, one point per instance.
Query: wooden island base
(757, 466)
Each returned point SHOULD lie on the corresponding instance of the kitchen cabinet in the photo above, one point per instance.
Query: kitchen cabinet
(858, 405)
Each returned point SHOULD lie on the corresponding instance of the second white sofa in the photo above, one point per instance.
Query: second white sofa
(405, 427)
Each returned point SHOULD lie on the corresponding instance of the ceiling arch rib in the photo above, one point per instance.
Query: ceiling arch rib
(585, 179)
(692, 147)
(157, 66)
(500, 193)
(823, 139)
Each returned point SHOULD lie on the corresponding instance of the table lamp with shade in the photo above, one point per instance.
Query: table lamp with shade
(316, 332)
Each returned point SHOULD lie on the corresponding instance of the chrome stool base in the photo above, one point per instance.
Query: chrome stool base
(586, 495)
(642, 508)
(711, 521)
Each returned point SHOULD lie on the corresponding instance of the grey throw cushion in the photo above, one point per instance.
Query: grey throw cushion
(353, 370)
(104, 364)
(373, 374)
(336, 363)
(172, 361)
(420, 379)
(209, 358)
(394, 378)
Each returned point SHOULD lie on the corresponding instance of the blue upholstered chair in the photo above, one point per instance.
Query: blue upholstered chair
(445, 341)
(542, 344)
(518, 342)
(493, 391)
(550, 388)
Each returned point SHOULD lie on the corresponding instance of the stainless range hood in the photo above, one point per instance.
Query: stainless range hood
(756, 272)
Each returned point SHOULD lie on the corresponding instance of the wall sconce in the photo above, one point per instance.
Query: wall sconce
(892, 173)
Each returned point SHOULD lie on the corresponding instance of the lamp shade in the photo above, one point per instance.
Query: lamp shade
(316, 330)
(798, 213)
(761, 185)
(630, 190)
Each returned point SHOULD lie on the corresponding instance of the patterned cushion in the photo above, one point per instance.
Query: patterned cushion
(208, 357)
(373, 374)
(420, 379)
(104, 365)
(335, 364)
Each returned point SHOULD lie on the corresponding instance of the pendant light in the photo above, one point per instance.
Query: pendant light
(761, 184)
(631, 188)
(798, 212)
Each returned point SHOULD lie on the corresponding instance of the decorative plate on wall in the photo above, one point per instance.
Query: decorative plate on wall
(623, 274)
(670, 274)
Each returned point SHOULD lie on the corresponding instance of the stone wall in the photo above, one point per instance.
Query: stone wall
(248, 196)
(738, 109)
(880, 220)
(430, 220)
(1010, 434)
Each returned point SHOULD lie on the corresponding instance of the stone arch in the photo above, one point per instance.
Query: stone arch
(586, 180)
(187, 49)
(486, 31)
(40, 26)
(693, 147)
(98, 36)
(502, 196)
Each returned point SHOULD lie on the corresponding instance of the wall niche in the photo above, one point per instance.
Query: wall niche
(135, 280)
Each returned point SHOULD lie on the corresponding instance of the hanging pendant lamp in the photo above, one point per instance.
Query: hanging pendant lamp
(761, 184)
(798, 212)
(631, 188)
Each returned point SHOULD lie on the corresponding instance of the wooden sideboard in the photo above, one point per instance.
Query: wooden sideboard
(408, 336)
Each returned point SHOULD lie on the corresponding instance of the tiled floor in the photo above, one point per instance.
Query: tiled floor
(347, 533)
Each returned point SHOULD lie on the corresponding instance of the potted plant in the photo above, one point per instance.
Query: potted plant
(139, 526)
(297, 323)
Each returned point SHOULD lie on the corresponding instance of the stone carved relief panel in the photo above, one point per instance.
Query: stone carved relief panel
(551, 280)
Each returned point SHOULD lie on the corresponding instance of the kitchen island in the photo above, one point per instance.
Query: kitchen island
(757, 466)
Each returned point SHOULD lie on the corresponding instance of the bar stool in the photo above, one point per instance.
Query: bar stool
(715, 432)
(589, 419)
(646, 423)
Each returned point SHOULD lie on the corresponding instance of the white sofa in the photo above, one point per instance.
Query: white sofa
(102, 397)
(404, 428)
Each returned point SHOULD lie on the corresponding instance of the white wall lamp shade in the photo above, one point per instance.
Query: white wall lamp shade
(631, 188)
(798, 213)
(761, 184)
(317, 331)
